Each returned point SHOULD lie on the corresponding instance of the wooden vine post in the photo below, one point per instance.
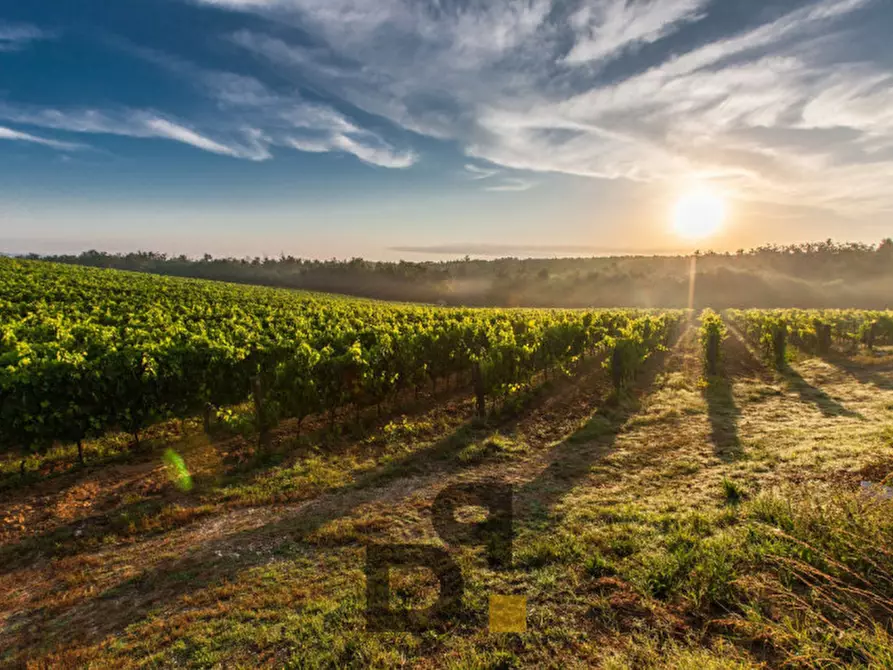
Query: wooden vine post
(617, 367)
(779, 344)
(206, 417)
(261, 420)
(477, 379)
(823, 333)
(713, 339)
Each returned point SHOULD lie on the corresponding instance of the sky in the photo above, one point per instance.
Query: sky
(437, 128)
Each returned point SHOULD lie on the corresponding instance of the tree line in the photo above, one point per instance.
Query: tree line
(811, 275)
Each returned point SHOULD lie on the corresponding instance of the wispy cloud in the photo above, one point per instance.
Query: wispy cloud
(158, 127)
(133, 123)
(780, 107)
(289, 121)
(606, 28)
(17, 36)
(382, 156)
(310, 128)
(478, 172)
(511, 185)
(15, 135)
(521, 84)
(278, 119)
(367, 151)
(251, 119)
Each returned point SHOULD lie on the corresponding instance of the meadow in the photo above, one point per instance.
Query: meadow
(191, 473)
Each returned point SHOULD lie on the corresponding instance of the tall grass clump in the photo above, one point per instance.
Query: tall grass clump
(803, 577)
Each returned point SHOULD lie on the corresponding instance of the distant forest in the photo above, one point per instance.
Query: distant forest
(823, 274)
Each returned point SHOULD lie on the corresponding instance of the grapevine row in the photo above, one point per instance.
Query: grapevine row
(86, 351)
(814, 331)
(711, 334)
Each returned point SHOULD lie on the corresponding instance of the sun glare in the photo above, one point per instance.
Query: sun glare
(699, 214)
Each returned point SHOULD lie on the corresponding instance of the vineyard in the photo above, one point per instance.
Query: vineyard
(84, 351)
(707, 489)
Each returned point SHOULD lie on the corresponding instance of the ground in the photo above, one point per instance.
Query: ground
(690, 522)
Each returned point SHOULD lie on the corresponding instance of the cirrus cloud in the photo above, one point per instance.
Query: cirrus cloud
(17, 36)
(132, 123)
(18, 136)
(610, 89)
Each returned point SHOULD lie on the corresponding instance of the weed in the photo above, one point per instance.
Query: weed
(734, 492)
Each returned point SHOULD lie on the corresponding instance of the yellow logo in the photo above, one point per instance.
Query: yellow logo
(508, 614)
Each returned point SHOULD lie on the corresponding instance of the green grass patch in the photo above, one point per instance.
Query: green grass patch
(494, 447)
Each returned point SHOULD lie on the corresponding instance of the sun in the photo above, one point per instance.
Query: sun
(699, 214)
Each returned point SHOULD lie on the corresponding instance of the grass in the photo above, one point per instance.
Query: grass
(685, 525)
(733, 491)
(493, 447)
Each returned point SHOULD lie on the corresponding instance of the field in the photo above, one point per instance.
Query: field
(192, 474)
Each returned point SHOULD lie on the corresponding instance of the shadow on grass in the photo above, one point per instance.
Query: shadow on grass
(571, 461)
(882, 379)
(145, 518)
(723, 413)
(503, 420)
(812, 395)
(211, 562)
(61, 470)
(738, 362)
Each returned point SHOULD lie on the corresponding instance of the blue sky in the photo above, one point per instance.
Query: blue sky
(422, 128)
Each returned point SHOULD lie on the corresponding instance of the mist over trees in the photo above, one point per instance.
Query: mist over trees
(823, 274)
